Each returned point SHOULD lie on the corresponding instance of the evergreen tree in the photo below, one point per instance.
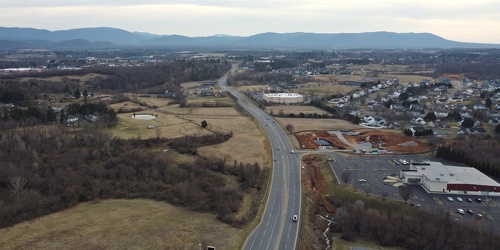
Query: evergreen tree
(63, 116)
(77, 93)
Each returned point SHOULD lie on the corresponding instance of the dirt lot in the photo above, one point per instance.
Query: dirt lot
(390, 140)
(307, 140)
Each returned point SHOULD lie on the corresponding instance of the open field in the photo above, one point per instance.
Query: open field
(218, 101)
(326, 88)
(304, 124)
(287, 109)
(251, 88)
(76, 78)
(246, 145)
(121, 224)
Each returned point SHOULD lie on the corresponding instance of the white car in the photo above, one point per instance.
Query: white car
(450, 198)
(459, 199)
(362, 180)
(295, 218)
(460, 211)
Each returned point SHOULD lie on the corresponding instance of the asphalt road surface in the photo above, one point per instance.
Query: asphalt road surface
(276, 230)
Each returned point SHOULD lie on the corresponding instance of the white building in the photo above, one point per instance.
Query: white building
(284, 98)
(436, 177)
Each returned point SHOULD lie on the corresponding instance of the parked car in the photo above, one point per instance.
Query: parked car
(470, 211)
(450, 198)
(479, 216)
(460, 211)
(459, 199)
(478, 200)
(362, 180)
(295, 218)
(469, 199)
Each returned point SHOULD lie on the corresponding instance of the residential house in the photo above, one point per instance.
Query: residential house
(494, 121)
(71, 120)
(491, 113)
(91, 118)
(441, 113)
(475, 131)
(439, 124)
(418, 121)
(417, 110)
(479, 106)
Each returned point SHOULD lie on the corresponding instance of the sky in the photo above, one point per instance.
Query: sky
(458, 20)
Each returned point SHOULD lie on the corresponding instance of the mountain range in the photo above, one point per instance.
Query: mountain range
(107, 38)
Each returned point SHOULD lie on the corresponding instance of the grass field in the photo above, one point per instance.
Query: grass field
(122, 224)
(303, 124)
(287, 109)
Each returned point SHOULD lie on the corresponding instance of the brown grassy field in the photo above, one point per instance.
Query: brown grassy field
(146, 224)
(304, 124)
(80, 79)
(251, 88)
(122, 224)
(287, 109)
(247, 144)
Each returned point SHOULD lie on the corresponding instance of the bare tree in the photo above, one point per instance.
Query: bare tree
(290, 128)
(17, 185)
(406, 192)
(346, 176)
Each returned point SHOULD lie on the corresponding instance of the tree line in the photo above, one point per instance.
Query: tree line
(479, 156)
(421, 231)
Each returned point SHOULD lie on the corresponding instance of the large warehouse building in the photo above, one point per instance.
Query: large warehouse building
(436, 177)
(284, 98)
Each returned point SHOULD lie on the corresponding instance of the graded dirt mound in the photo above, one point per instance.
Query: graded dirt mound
(390, 140)
(308, 140)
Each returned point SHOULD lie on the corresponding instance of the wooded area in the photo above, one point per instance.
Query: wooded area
(47, 169)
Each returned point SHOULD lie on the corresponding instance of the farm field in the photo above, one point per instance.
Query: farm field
(121, 224)
(174, 122)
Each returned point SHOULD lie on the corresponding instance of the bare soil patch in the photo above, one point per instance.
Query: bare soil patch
(390, 140)
(307, 139)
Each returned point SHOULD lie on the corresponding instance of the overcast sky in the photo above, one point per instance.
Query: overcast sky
(459, 20)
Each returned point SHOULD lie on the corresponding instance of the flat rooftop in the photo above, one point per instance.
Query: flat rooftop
(454, 174)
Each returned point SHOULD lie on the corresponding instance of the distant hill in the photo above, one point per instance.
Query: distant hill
(104, 37)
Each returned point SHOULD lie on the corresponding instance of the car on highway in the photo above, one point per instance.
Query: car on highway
(295, 218)
(460, 211)
(469, 199)
(478, 200)
(459, 199)
(470, 211)
(450, 198)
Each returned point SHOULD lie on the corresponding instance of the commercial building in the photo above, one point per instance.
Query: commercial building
(436, 177)
(284, 98)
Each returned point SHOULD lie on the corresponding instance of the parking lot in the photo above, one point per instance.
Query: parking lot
(368, 173)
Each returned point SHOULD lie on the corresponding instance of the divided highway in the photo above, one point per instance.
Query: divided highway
(276, 230)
